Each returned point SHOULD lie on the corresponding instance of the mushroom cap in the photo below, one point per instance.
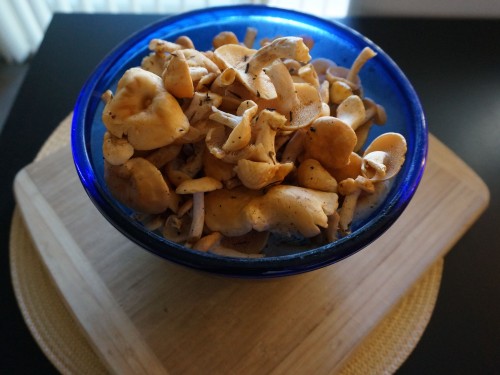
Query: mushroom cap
(224, 37)
(330, 141)
(299, 102)
(257, 175)
(224, 210)
(237, 56)
(242, 132)
(200, 107)
(177, 77)
(351, 111)
(351, 170)
(115, 150)
(292, 210)
(196, 58)
(321, 65)
(307, 109)
(384, 157)
(340, 73)
(163, 155)
(185, 41)
(280, 48)
(162, 46)
(339, 91)
(215, 139)
(312, 175)
(144, 111)
(217, 168)
(138, 184)
(155, 63)
(198, 185)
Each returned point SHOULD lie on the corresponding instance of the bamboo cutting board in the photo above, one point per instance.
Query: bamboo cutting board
(146, 315)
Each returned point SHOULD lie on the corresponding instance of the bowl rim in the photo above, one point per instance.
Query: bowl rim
(248, 267)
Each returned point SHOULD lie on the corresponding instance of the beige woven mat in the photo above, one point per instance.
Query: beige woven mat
(60, 338)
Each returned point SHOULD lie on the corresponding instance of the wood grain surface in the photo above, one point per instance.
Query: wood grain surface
(146, 315)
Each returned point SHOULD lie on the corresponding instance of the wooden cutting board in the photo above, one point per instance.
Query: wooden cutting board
(144, 315)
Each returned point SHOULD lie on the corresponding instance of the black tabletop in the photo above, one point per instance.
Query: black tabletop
(454, 66)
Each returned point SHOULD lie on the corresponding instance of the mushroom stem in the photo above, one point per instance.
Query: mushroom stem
(225, 118)
(333, 226)
(197, 73)
(348, 209)
(250, 36)
(227, 76)
(375, 164)
(198, 217)
(366, 54)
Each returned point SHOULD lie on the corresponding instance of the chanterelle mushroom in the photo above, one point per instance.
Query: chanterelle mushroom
(249, 64)
(257, 175)
(115, 150)
(351, 111)
(292, 210)
(299, 102)
(384, 157)
(235, 56)
(330, 141)
(224, 210)
(198, 187)
(350, 76)
(177, 78)
(312, 175)
(144, 111)
(240, 123)
(253, 140)
(263, 169)
(201, 106)
(139, 185)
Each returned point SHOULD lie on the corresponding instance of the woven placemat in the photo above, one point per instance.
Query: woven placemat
(60, 338)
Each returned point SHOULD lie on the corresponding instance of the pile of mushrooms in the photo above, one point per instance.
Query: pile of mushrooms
(218, 149)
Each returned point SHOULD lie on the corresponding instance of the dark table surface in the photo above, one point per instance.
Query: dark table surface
(454, 66)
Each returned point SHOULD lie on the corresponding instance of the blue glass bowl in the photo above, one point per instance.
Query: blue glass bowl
(382, 81)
